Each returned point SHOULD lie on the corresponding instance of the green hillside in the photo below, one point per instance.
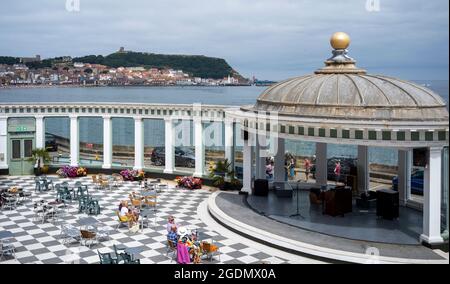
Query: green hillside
(9, 60)
(197, 66)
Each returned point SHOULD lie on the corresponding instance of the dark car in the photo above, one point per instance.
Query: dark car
(50, 144)
(416, 182)
(348, 167)
(184, 157)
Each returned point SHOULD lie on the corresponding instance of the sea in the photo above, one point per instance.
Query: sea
(123, 129)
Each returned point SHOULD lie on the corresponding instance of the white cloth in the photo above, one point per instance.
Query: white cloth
(183, 231)
(123, 211)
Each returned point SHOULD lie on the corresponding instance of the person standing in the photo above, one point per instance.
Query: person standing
(307, 165)
(170, 223)
(292, 168)
(337, 171)
(269, 171)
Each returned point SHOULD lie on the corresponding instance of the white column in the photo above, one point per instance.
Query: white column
(229, 141)
(404, 175)
(321, 164)
(247, 165)
(107, 142)
(432, 198)
(199, 148)
(169, 143)
(363, 170)
(3, 142)
(138, 143)
(40, 132)
(74, 141)
(260, 156)
(279, 171)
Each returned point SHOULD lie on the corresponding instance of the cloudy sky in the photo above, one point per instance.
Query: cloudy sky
(271, 39)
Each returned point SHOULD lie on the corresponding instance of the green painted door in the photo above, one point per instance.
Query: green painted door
(21, 149)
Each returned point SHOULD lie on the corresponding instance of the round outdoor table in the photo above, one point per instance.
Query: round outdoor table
(4, 189)
(87, 221)
(134, 252)
(55, 204)
(144, 214)
(6, 235)
(148, 193)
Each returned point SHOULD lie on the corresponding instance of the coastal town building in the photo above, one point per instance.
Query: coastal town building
(66, 72)
(25, 60)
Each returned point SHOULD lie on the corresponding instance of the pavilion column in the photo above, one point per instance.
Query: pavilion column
(363, 170)
(169, 146)
(74, 141)
(107, 142)
(3, 142)
(248, 163)
(279, 175)
(432, 197)
(260, 156)
(40, 132)
(138, 143)
(199, 147)
(321, 164)
(404, 175)
(229, 141)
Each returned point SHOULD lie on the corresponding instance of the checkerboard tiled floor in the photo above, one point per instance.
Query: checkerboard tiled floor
(40, 243)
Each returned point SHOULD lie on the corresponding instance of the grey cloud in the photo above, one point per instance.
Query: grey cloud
(271, 39)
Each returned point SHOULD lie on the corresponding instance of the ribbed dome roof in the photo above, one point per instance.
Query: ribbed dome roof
(341, 90)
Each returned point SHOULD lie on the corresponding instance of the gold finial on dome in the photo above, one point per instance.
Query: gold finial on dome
(340, 62)
(340, 40)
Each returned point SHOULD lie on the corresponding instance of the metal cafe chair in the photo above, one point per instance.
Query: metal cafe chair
(79, 190)
(106, 258)
(7, 248)
(210, 249)
(69, 233)
(47, 183)
(9, 201)
(38, 184)
(171, 249)
(89, 237)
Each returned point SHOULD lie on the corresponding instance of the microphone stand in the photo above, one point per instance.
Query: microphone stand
(297, 214)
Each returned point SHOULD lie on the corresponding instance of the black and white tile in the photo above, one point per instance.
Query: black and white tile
(37, 242)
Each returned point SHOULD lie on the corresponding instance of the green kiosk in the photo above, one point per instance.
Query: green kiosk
(21, 142)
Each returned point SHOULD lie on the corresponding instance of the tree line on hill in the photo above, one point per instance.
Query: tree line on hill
(195, 65)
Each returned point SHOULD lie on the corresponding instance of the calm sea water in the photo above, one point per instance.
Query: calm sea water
(123, 129)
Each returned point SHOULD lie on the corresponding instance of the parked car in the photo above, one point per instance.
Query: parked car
(50, 144)
(184, 157)
(348, 167)
(417, 178)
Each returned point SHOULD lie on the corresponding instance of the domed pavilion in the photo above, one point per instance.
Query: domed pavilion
(343, 104)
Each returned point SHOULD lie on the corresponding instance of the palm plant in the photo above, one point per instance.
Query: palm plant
(222, 173)
(39, 156)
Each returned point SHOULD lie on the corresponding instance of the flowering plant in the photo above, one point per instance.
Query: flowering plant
(71, 172)
(132, 175)
(189, 182)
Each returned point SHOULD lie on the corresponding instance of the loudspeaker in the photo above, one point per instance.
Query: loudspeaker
(388, 204)
(261, 187)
